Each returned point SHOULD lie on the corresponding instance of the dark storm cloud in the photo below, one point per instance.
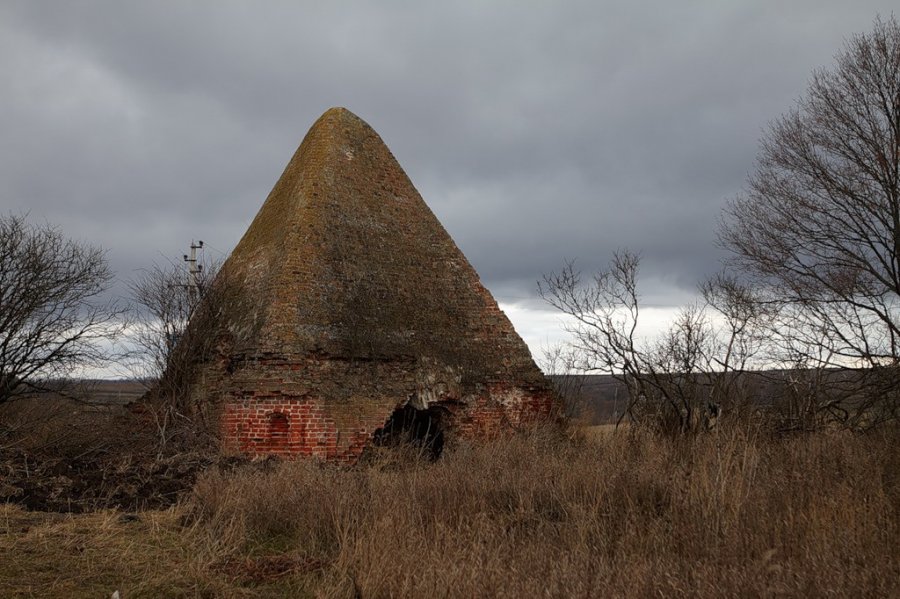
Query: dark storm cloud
(535, 131)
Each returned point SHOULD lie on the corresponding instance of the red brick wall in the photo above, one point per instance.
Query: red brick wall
(268, 422)
(503, 408)
(287, 427)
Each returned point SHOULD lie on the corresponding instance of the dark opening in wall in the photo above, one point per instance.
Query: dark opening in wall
(278, 428)
(409, 426)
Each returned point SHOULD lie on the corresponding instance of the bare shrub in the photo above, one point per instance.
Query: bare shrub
(166, 297)
(689, 374)
(54, 319)
(179, 331)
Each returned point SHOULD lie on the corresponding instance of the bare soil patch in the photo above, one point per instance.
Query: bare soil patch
(69, 455)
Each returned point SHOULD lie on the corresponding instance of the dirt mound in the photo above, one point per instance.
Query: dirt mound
(68, 456)
(126, 482)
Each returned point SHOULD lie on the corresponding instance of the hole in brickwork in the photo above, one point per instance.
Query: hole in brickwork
(278, 426)
(409, 426)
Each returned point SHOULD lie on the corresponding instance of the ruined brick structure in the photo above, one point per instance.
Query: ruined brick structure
(357, 311)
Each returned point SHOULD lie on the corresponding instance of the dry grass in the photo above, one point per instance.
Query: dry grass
(727, 514)
(598, 431)
(718, 515)
(91, 555)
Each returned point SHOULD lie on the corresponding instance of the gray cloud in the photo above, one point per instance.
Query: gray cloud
(536, 131)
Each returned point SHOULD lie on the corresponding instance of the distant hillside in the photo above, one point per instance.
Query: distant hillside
(113, 392)
(602, 398)
(100, 392)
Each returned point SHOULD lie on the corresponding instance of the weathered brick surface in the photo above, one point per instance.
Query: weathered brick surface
(357, 302)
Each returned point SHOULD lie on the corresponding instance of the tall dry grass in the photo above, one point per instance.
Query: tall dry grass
(733, 513)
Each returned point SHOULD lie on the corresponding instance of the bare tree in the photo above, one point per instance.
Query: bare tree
(54, 319)
(678, 380)
(183, 326)
(166, 297)
(560, 364)
(817, 230)
(603, 320)
(818, 227)
(743, 341)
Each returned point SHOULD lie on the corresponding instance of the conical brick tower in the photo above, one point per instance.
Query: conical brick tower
(357, 308)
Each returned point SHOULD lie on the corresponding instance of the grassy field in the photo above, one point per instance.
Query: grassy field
(547, 514)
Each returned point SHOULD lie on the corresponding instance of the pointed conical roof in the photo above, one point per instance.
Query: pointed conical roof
(345, 259)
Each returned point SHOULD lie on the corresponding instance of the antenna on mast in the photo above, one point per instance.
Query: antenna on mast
(194, 269)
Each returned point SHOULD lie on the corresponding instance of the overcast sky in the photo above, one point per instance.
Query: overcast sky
(536, 131)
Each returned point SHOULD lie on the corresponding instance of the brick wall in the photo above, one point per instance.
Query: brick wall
(288, 427)
(269, 410)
